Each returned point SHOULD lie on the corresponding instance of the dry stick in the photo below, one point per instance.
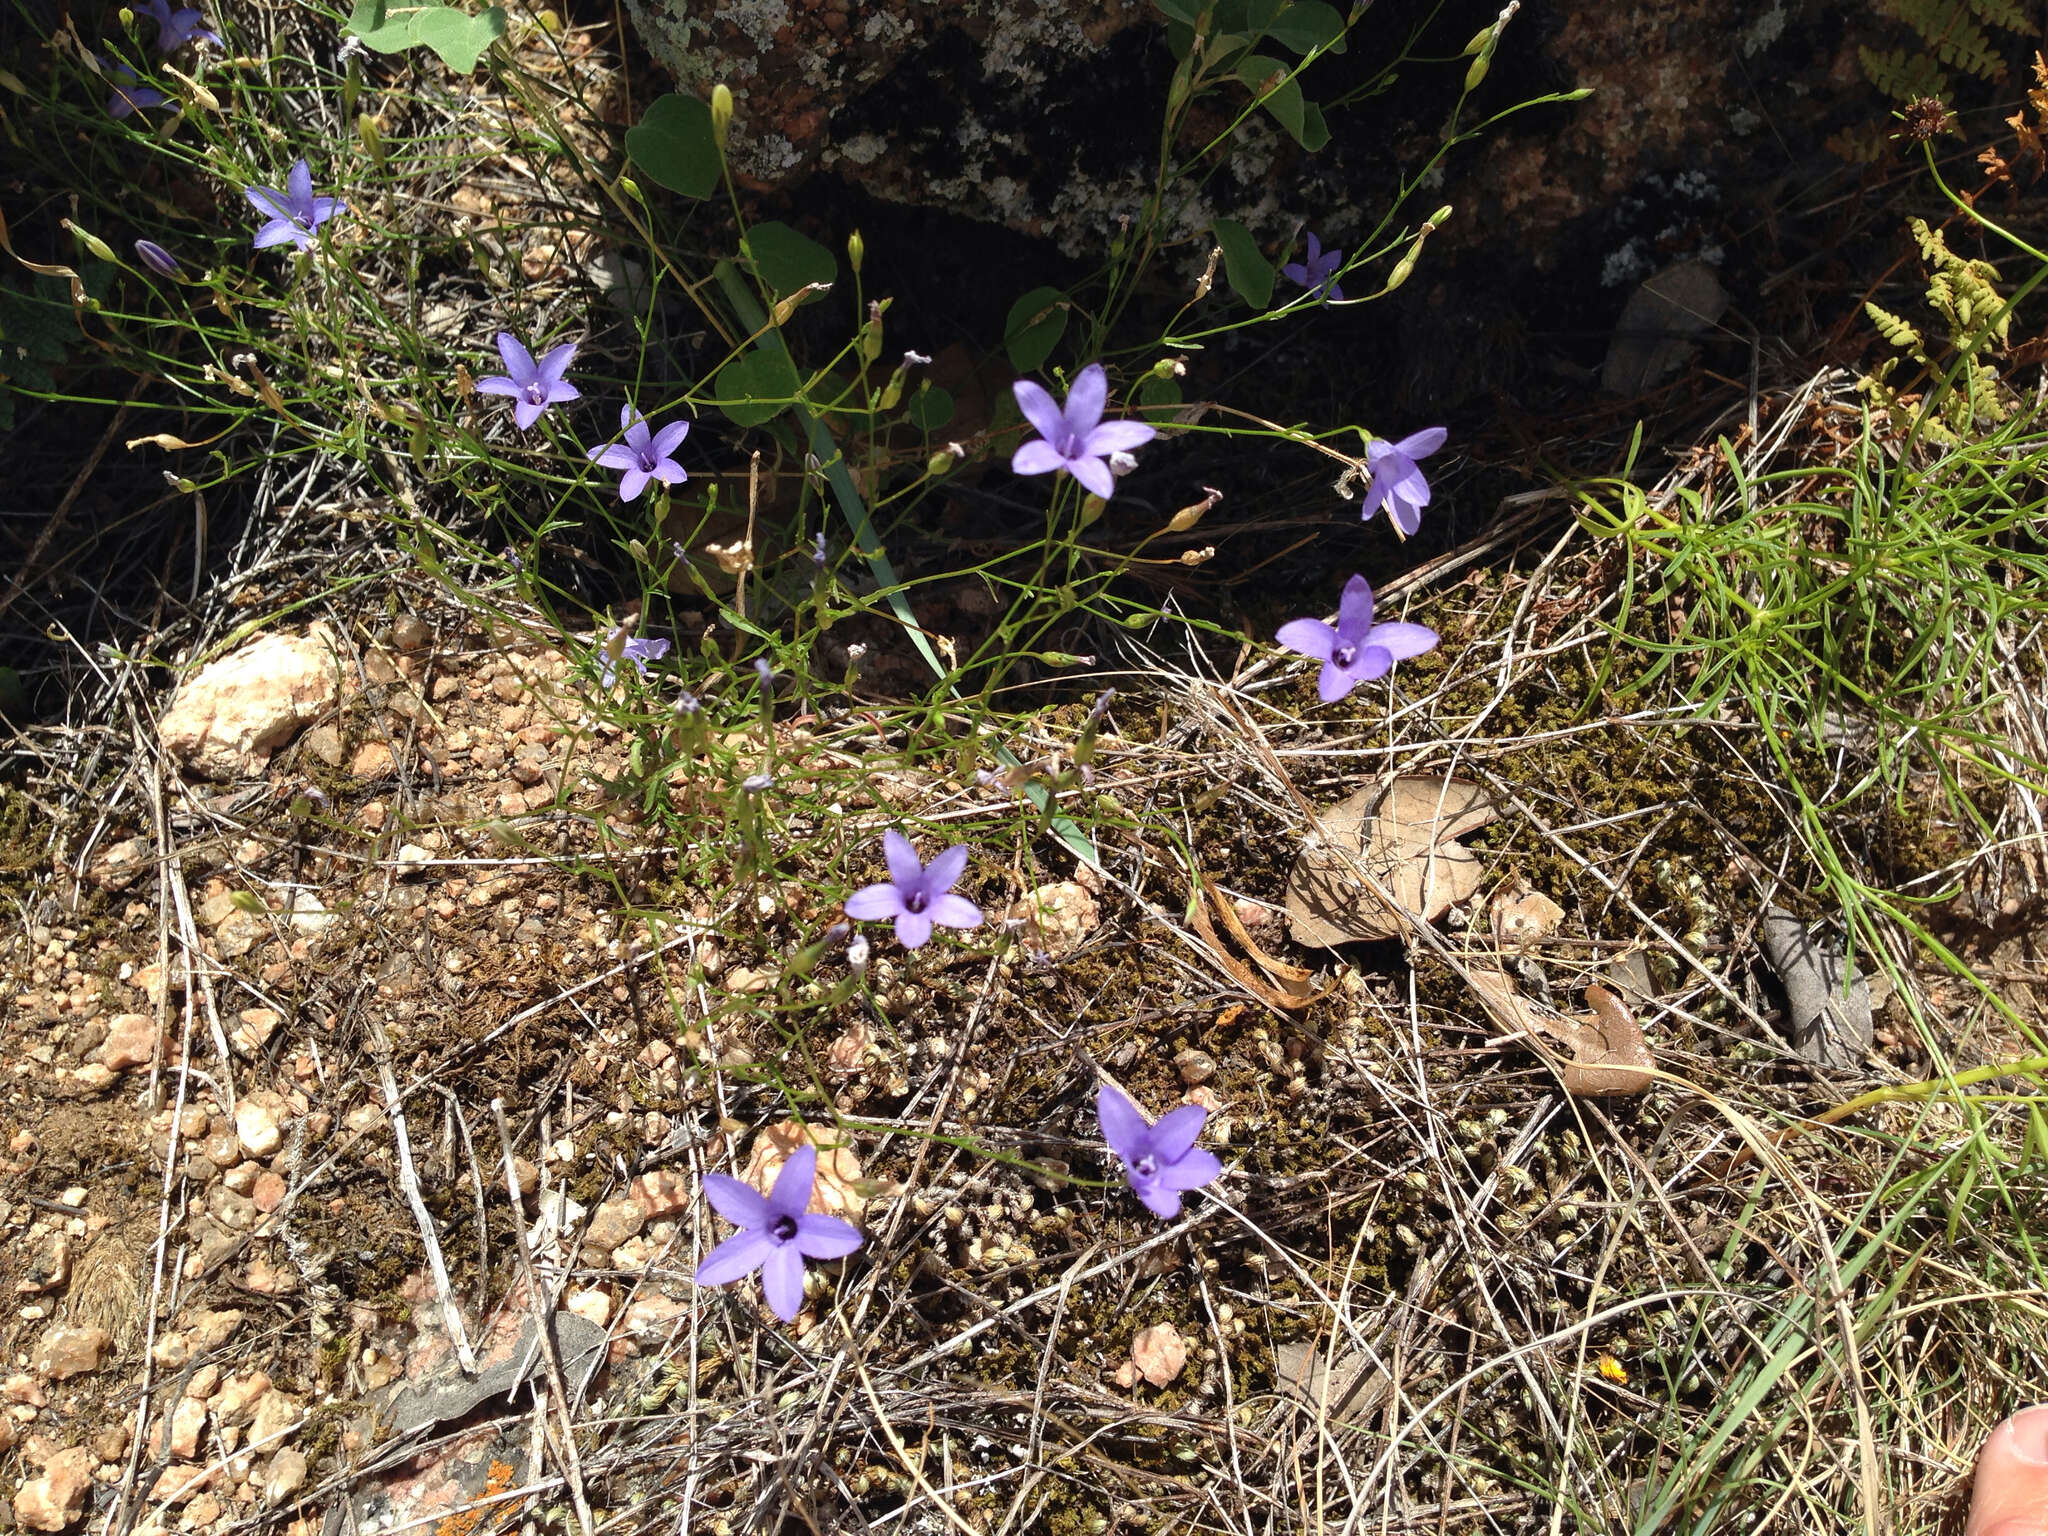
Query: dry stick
(543, 1310)
(409, 1181)
(198, 973)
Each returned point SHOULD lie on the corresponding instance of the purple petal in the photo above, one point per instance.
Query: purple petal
(1039, 410)
(1420, 445)
(1118, 437)
(498, 384)
(561, 390)
(527, 412)
(269, 202)
(1037, 457)
(1354, 609)
(1373, 663)
(1400, 641)
(669, 472)
(556, 363)
(614, 456)
(1175, 1131)
(944, 872)
(1406, 514)
(518, 361)
(1311, 637)
(738, 1256)
(1410, 485)
(782, 1281)
(826, 1237)
(1333, 682)
(1335, 292)
(1093, 474)
(1085, 400)
(792, 1193)
(1295, 272)
(325, 208)
(628, 417)
(669, 438)
(1123, 1127)
(1375, 496)
(872, 903)
(298, 185)
(1191, 1171)
(1159, 1200)
(1315, 250)
(952, 911)
(739, 1203)
(632, 483)
(905, 868)
(913, 929)
(276, 232)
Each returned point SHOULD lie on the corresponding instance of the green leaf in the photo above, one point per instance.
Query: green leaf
(458, 38)
(1315, 132)
(1153, 390)
(1245, 266)
(1036, 323)
(1186, 12)
(1247, 15)
(1267, 78)
(930, 408)
(756, 386)
(674, 145)
(1307, 25)
(786, 261)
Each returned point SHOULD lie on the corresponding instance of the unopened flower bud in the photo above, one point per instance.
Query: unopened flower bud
(373, 141)
(91, 242)
(1169, 368)
(721, 115)
(938, 464)
(856, 250)
(1479, 40)
(857, 953)
(631, 188)
(1478, 71)
(1188, 516)
(156, 258)
(1403, 269)
(1441, 217)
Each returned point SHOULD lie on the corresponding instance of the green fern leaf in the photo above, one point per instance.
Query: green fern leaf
(1898, 332)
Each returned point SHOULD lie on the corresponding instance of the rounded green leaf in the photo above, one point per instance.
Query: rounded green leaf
(755, 386)
(787, 261)
(1036, 323)
(930, 408)
(672, 143)
(1155, 391)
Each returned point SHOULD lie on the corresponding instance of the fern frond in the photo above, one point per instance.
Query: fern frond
(1900, 333)
(2009, 14)
(1901, 75)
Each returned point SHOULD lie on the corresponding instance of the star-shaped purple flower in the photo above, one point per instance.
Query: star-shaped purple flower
(777, 1233)
(295, 213)
(535, 386)
(1160, 1158)
(1317, 273)
(1397, 479)
(174, 29)
(1075, 438)
(915, 895)
(130, 94)
(645, 454)
(1357, 650)
(638, 651)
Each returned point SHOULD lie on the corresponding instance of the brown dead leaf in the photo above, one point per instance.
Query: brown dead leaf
(1056, 918)
(1608, 1055)
(1522, 917)
(1159, 1353)
(839, 1190)
(1404, 835)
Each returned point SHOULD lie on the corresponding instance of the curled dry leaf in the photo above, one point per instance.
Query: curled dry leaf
(1159, 1353)
(1608, 1055)
(849, 1051)
(1522, 917)
(1057, 917)
(839, 1191)
(1828, 998)
(1404, 835)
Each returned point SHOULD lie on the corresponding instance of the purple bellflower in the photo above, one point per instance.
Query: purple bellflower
(535, 386)
(645, 454)
(174, 29)
(916, 895)
(130, 94)
(157, 259)
(637, 651)
(777, 1233)
(295, 213)
(1317, 272)
(1356, 650)
(1160, 1158)
(1397, 481)
(1075, 437)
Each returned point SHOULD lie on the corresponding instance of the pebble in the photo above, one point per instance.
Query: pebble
(54, 1500)
(256, 1128)
(66, 1352)
(130, 1042)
